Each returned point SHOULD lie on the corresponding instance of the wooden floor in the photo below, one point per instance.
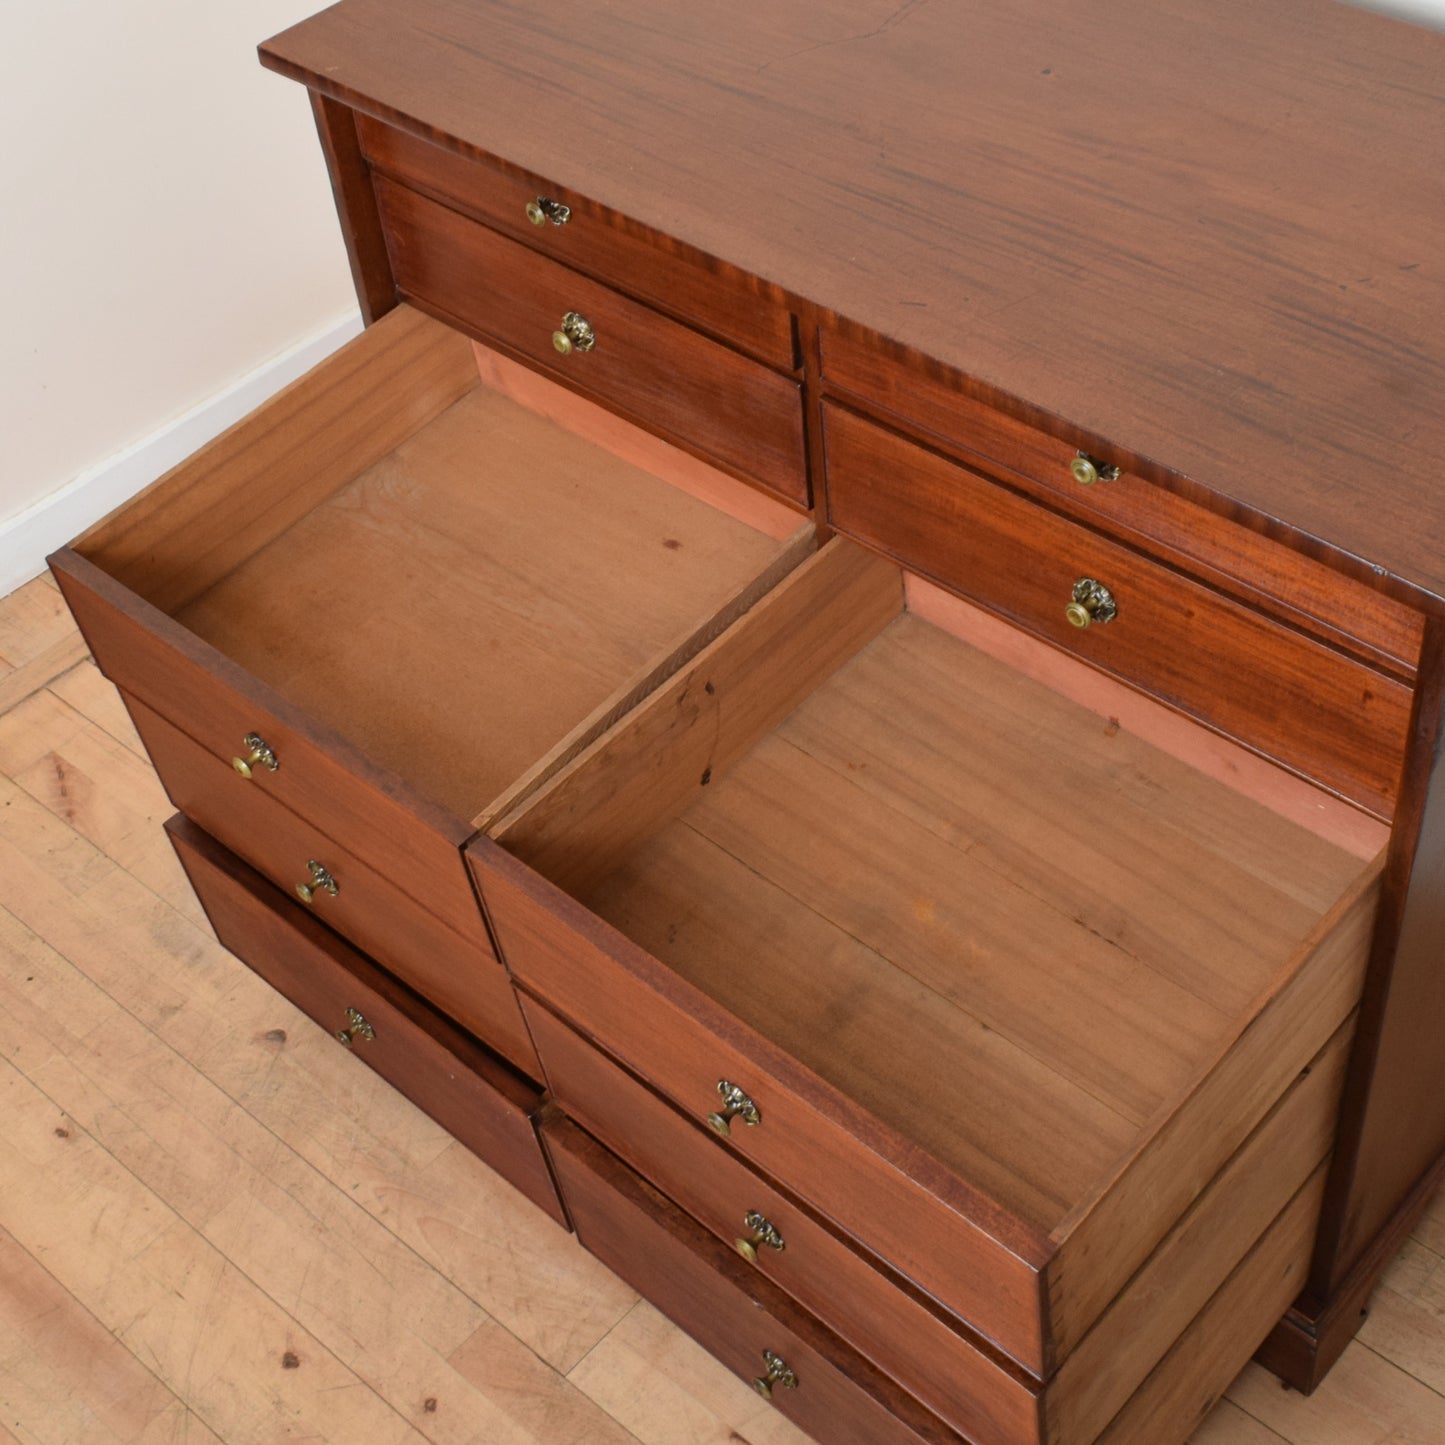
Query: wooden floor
(215, 1224)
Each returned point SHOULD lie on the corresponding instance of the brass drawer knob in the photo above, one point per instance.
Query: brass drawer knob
(1087, 470)
(735, 1105)
(545, 209)
(258, 756)
(759, 1232)
(356, 1028)
(576, 334)
(1092, 602)
(321, 882)
(779, 1372)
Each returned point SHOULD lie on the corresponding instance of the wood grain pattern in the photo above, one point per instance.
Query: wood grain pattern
(733, 1311)
(1177, 235)
(575, 413)
(709, 714)
(1296, 1018)
(643, 263)
(457, 977)
(1392, 1130)
(1155, 723)
(174, 1016)
(919, 802)
(245, 488)
(1271, 688)
(899, 1329)
(1203, 541)
(530, 577)
(339, 132)
(323, 777)
(469, 1092)
(666, 377)
(1156, 1307)
(1185, 1385)
(673, 1034)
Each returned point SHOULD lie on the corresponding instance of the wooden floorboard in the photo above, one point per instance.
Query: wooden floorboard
(217, 1226)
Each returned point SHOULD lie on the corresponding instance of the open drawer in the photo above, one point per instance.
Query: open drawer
(410, 587)
(988, 979)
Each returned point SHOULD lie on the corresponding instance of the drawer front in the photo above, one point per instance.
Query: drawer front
(905, 1335)
(662, 375)
(1295, 700)
(462, 980)
(915, 1215)
(591, 239)
(319, 776)
(1338, 608)
(468, 1091)
(727, 1307)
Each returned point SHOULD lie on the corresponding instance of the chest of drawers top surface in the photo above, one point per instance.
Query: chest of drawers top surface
(1209, 237)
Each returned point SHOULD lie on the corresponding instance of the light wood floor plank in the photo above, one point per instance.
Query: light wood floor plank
(1366, 1400)
(64, 1378)
(91, 694)
(1229, 1425)
(100, 787)
(33, 619)
(669, 1391)
(184, 1310)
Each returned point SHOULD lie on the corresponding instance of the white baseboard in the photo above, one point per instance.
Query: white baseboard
(29, 537)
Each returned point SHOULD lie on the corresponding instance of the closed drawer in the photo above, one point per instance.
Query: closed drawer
(464, 1088)
(590, 239)
(734, 1313)
(1222, 550)
(1275, 689)
(903, 1332)
(667, 377)
(416, 596)
(899, 1329)
(453, 973)
(1003, 986)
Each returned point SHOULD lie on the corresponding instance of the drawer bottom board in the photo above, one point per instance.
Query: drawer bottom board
(444, 1072)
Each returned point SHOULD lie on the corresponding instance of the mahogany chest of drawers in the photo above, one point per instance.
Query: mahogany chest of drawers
(845, 683)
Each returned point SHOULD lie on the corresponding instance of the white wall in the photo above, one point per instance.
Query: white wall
(1424, 12)
(166, 228)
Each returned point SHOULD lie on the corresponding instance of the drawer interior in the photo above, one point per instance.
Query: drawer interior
(1017, 931)
(456, 565)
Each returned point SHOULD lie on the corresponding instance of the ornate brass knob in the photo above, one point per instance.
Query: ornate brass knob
(356, 1028)
(1087, 470)
(735, 1105)
(779, 1372)
(576, 334)
(259, 756)
(759, 1232)
(1092, 602)
(321, 882)
(544, 209)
